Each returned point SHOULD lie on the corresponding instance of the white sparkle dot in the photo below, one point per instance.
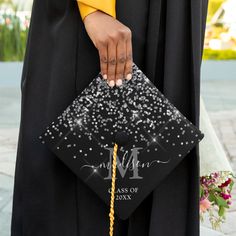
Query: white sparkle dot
(79, 122)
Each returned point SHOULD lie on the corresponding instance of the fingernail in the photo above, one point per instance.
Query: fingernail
(111, 83)
(105, 76)
(128, 76)
(119, 82)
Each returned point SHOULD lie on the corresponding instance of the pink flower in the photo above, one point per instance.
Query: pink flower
(8, 21)
(204, 205)
(26, 23)
(225, 196)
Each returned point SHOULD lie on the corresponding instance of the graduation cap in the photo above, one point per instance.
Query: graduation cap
(121, 141)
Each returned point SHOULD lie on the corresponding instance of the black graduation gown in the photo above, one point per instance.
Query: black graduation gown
(60, 62)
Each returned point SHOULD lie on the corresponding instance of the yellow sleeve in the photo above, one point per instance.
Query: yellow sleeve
(88, 6)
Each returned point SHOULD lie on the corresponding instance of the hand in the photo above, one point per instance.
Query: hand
(113, 41)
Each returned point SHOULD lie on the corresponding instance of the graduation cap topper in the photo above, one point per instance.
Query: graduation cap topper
(121, 141)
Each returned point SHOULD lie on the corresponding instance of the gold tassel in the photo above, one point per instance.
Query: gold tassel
(113, 180)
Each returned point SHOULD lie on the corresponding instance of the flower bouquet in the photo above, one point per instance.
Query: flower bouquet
(215, 196)
(216, 175)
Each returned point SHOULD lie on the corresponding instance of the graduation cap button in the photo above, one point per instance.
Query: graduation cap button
(121, 138)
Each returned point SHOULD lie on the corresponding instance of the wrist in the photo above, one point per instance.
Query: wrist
(96, 13)
(88, 15)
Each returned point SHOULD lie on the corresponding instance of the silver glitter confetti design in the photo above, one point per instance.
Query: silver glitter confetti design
(136, 107)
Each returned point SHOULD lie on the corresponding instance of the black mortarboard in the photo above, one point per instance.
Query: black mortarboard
(135, 126)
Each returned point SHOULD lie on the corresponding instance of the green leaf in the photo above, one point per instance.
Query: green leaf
(218, 189)
(231, 185)
(211, 197)
(201, 191)
(221, 211)
(221, 202)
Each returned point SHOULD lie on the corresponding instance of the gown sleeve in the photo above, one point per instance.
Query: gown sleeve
(88, 6)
